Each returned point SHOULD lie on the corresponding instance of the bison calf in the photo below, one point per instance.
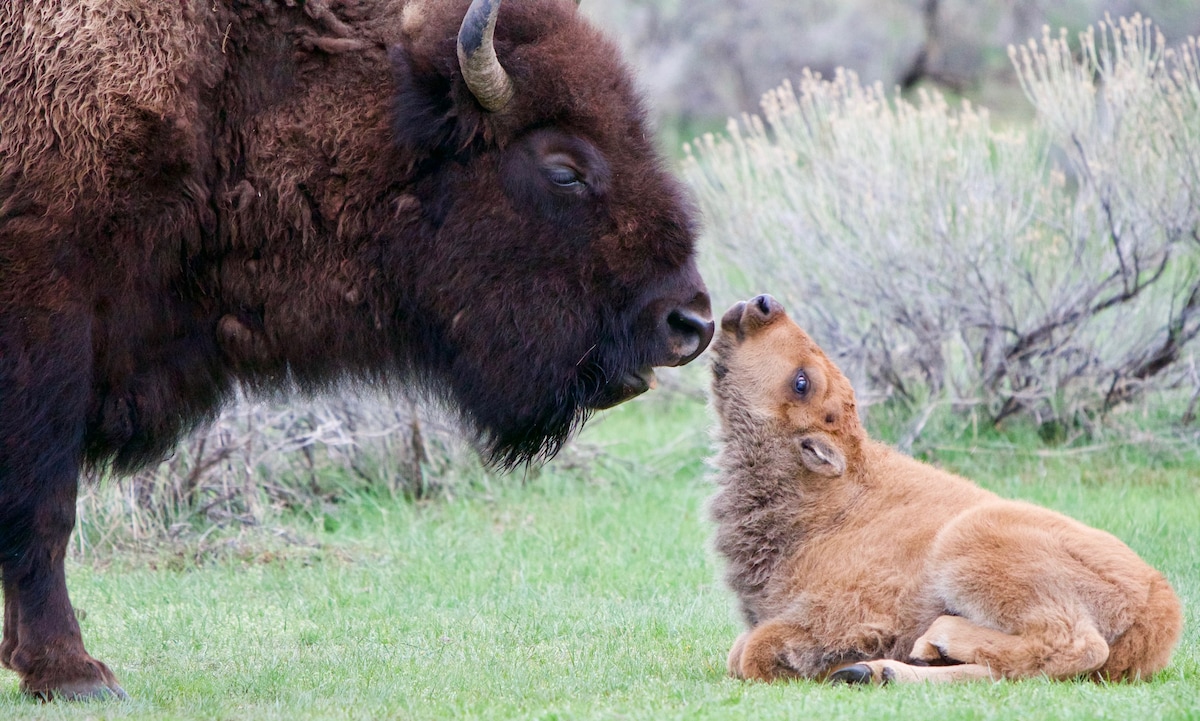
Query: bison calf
(850, 558)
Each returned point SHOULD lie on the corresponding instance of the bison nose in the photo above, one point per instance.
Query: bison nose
(690, 329)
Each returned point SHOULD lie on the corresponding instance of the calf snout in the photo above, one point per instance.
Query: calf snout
(747, 316)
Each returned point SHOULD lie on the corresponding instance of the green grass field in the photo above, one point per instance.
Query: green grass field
(574, 594)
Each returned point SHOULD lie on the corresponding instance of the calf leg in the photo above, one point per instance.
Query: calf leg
(761, 653)
(781, 649)
(1058, 645)
(883, 671)
(1060, 650)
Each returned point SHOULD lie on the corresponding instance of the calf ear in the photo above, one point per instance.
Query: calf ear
(822, 457)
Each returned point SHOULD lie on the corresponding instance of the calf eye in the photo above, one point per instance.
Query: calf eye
(801, 384)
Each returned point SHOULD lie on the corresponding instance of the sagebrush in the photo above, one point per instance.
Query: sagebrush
(1051, 271)
(260, 461)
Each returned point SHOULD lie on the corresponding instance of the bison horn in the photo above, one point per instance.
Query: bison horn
(481, 69)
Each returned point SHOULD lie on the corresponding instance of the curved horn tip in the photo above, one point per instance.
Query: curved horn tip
(481, 69)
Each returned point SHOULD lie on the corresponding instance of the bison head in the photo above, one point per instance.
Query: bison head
(555, 253)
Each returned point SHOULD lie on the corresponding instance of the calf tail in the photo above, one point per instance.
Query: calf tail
(1145, 647)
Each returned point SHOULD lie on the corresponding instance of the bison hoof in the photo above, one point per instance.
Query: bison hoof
(77, 694)
(80, 692)
(70, 678)
(856, 673)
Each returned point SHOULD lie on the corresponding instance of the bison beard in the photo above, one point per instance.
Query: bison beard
(199, 195)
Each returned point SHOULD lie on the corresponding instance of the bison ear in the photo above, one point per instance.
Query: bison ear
(820, 456)
(425, 120)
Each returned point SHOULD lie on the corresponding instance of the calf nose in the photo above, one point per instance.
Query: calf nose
(764, 307)
(751, 314)
(690, 329)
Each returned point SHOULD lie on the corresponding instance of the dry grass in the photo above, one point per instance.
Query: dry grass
(229, 488)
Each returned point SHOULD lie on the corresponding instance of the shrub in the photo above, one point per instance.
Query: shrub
(1051, 271)
(229, 486)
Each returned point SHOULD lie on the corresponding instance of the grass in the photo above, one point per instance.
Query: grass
(572, 595)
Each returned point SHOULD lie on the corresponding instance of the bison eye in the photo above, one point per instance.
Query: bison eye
(564, 176)
(801, 384)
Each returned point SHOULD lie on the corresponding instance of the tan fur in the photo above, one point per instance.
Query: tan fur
(843, 551)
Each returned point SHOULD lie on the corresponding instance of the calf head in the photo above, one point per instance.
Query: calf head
(770, 379)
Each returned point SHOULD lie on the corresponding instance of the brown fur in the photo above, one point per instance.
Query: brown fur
(202, 194)
(849, 558)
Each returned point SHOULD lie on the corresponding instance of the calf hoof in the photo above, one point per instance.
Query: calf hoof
(855, 673)
(872, 672)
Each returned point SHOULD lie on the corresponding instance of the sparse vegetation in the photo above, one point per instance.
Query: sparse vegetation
(274, 470)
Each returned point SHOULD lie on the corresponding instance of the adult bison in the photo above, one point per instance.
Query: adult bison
(283, 195)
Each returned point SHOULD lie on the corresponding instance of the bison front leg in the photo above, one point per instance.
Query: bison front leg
(45, 365)
(42, 637)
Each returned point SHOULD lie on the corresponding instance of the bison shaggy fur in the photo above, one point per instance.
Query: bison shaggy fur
(202, 195)
(856, 563)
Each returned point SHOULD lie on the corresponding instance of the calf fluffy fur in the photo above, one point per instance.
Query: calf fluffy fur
(854, 562)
